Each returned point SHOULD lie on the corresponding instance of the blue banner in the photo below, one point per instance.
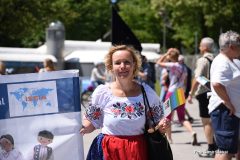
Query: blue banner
(38, 106)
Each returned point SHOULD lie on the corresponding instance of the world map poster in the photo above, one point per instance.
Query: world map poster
(32, 98)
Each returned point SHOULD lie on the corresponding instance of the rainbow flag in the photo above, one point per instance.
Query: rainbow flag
(175, 100)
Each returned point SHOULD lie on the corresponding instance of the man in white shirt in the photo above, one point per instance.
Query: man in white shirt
(224, 104)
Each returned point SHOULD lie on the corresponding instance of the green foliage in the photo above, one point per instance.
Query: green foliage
(142, 20)
(93, 21)
(24, 22)
(207, 18)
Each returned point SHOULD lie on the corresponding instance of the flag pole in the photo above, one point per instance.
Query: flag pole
(121, 32)
(113, 3)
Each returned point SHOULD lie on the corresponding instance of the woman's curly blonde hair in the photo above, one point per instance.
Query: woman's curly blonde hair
(135, 55)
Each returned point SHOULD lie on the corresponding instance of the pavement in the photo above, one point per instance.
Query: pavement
(181, 146)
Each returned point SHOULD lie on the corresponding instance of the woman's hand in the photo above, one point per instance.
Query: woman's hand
(87, 127)
(163, 125)
(189, 99)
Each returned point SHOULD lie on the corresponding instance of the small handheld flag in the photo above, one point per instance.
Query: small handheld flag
(175, 100)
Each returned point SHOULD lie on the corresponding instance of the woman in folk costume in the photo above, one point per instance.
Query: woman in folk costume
(118, 109)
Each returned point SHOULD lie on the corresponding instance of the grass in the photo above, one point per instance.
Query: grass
(157, 87)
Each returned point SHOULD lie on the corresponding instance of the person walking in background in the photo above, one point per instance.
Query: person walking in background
(118, 109)
(2, 68)
(203, 69)
(177, 76)
(188, 84)
(164, 84)
(224, 104)
(48, 66)
(145, 73)
(97, 74)
(163, 80)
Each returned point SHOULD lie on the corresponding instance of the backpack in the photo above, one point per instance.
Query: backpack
(210, 63)
(208, 85)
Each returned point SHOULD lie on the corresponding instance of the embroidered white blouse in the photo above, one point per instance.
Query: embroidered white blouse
(121, 115)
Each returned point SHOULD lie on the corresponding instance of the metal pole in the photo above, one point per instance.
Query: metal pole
(164, 37)
(196, 43)
(113, 2)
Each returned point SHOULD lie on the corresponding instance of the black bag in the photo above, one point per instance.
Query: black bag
(158, 146)
(157, 143)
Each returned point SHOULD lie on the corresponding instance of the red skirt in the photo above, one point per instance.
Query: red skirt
(124, 147)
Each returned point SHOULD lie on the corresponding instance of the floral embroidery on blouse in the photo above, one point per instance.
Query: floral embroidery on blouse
(131, 111)
(157, 113)
(93, 112)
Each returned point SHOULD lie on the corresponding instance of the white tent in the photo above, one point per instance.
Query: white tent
(76, 54)
(81, 51)
(91, 56)
(23, 55)
(86, 56)
(15, 57)
(89, 52)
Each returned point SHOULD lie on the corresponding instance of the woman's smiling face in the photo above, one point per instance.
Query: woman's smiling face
(123, 65)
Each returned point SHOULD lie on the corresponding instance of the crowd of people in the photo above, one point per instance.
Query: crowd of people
(121, 117)
(117, 107)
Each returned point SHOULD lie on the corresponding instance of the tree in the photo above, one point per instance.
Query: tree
(141, 18)
(93, 20)
(206, 18)
(23, 22)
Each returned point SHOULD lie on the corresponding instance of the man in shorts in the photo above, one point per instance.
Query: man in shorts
(224, 104)
(203, 69)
